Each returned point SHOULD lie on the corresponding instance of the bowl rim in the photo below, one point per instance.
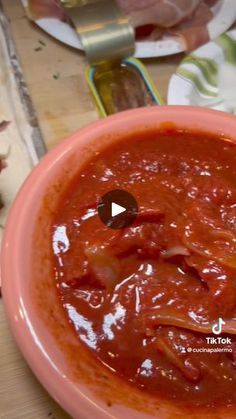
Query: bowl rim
(55, 382)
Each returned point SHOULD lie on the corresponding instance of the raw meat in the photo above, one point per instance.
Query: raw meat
(164, 13)
(39, 9)
(152, 19)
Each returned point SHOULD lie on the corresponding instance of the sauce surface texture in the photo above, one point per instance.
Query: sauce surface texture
(143, 298)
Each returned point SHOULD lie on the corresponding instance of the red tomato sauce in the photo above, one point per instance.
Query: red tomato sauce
(144, 299)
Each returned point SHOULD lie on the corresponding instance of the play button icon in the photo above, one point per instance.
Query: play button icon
(117, 209)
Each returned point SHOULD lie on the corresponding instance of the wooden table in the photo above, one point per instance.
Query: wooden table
(55, 77)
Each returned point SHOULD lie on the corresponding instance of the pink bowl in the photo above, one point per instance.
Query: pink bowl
(70, 374)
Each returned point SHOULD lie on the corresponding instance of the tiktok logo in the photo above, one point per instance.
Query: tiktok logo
(218, 326)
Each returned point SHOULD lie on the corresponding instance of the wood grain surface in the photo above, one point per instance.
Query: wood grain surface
(55, 77)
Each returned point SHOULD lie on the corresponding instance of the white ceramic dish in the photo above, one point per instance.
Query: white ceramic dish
(224, 16)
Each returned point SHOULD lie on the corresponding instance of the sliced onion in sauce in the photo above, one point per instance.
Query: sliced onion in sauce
(153, 318)
(175, 251)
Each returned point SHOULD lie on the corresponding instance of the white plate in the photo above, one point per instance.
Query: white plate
(195, 81)
(224, 15)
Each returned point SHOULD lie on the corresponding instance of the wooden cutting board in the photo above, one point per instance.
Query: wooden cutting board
(55, 77)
